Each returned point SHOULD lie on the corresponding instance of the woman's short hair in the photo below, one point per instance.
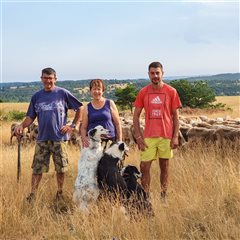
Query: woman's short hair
(97, 83)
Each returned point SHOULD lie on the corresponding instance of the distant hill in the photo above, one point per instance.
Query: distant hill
(217, 77)
(226, 84)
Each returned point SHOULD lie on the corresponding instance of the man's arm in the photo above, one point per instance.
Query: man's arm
(174, 141)
(76, 120)
(136, 125)
(78, 116)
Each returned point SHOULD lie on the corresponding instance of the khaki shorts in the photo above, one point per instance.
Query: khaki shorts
(44, 150)
(157, 148)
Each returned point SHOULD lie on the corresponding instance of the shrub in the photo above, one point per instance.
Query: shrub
(13, 115)
(194, 94)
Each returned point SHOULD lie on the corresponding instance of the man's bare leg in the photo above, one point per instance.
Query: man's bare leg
(36, 178)
(164, 173)
(60, 181)
(146, 177)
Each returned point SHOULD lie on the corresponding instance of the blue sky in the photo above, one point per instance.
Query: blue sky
(117, 40)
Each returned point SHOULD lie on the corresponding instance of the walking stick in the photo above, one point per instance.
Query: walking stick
(19, 159)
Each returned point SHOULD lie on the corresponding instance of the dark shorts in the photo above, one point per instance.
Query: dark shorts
(43, 152)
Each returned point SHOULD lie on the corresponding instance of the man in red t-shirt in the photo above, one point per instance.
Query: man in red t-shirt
(161, 104)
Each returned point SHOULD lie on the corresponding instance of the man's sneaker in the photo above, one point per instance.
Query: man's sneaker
(147, 196)
(163, 196)
(59, 196)
(31, 198)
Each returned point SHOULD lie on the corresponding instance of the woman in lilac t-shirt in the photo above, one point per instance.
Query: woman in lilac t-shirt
(100, 111)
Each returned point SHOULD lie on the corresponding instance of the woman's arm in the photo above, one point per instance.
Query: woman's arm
(83, 128)
(116, 120)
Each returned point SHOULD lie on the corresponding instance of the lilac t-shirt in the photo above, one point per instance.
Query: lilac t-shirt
(50, 108)
(103, 117)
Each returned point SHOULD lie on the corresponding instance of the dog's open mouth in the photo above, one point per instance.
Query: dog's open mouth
(105, 136)
(138, 175)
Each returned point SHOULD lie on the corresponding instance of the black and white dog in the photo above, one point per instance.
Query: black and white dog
(86, 189)
(110, 181)
(137, 198)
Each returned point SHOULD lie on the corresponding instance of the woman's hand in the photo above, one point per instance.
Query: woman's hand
(85, 142)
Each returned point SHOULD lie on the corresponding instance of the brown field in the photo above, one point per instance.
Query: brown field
(14, 106)
(232, 108)
(231, 101)
(203, 202)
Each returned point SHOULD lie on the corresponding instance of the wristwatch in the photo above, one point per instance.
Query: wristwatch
(73, 125)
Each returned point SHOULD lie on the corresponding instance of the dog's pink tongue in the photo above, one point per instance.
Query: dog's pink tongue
(105, 136)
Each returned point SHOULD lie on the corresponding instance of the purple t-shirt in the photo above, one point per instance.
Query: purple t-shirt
(50, 108)
(101, 117)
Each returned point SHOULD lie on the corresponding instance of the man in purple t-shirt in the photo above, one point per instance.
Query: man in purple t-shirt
(50, 106)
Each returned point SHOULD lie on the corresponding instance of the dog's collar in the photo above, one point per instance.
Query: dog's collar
(126, 175)
(94, 139)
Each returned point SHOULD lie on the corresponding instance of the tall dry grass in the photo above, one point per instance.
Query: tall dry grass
(203, 201)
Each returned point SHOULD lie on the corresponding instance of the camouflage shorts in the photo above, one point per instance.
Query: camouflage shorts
(43, 152)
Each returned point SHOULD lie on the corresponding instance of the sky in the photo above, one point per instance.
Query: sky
(117, 39)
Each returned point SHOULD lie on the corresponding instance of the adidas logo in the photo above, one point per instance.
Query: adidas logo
(156, 100)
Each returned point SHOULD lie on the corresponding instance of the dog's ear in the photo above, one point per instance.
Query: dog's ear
(92, 132)
(121, 147)
(135, 169)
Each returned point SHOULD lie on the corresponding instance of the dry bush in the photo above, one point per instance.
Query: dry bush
(203, 200)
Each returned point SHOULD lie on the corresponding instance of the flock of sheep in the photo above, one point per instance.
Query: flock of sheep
(192, 129)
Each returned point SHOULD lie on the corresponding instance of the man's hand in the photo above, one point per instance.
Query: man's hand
(174, 142)
(18, 131)
(141, 144)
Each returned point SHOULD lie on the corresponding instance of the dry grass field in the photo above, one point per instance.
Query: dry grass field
(232, 102)
(203, 201)
(232, 108)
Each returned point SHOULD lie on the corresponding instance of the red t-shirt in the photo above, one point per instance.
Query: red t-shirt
(158, 105)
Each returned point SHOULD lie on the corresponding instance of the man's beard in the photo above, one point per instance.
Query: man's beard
(156, 82)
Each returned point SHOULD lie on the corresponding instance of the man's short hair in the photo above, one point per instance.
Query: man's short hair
(155, 65)
(49, 71)
(97, 83)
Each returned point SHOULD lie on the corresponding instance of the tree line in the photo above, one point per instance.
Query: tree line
(22, 92)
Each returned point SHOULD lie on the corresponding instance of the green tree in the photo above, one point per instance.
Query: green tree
(126, 96)
(194, 94)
